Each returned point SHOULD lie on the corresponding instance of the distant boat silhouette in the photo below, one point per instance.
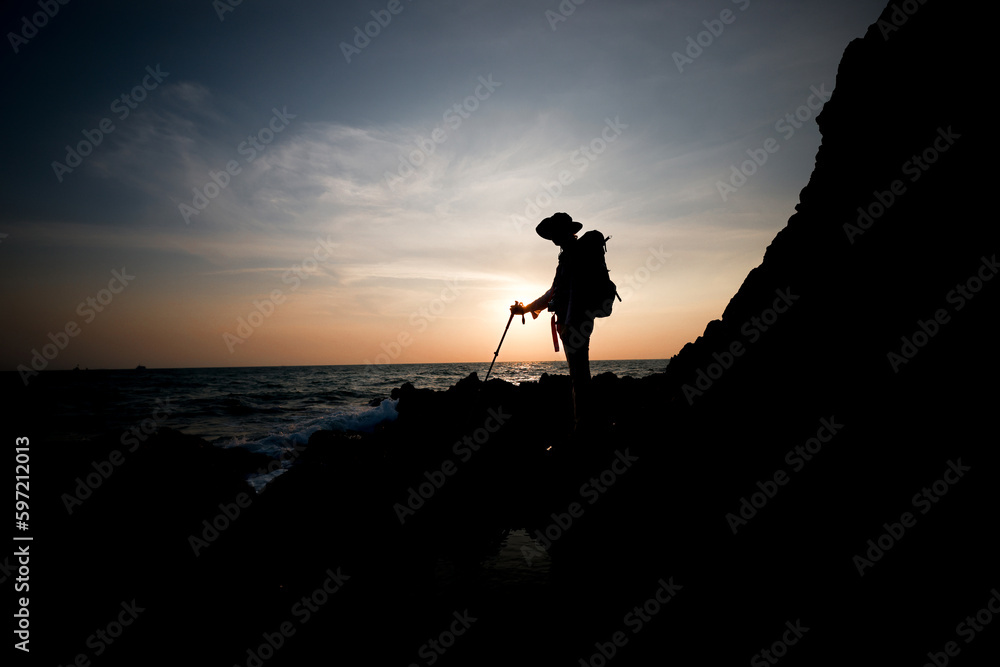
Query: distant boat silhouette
(140, 367)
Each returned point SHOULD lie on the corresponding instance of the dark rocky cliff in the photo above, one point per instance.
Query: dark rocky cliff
(891, 258)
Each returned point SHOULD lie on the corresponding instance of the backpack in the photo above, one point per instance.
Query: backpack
(595, 291)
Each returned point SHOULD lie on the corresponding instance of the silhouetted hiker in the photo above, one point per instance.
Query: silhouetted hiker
(580, 292)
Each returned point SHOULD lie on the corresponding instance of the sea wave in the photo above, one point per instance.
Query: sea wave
(282, 445)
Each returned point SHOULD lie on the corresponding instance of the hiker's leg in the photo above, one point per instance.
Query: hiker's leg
(576, 342)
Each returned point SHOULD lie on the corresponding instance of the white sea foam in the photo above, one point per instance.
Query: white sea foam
(283, 445)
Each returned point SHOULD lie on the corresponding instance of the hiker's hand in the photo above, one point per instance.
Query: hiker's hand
(518, 308)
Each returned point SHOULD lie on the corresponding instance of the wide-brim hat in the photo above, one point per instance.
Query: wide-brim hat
(557, 226)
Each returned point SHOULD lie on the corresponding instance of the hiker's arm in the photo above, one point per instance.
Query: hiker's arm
(535, 307)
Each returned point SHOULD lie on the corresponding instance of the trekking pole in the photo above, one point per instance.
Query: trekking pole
(509, 320)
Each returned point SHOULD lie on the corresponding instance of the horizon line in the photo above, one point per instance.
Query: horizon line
(414, 363)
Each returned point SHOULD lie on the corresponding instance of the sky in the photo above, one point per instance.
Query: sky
(207, 184)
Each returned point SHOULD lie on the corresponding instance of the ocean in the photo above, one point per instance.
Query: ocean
(265, 409)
